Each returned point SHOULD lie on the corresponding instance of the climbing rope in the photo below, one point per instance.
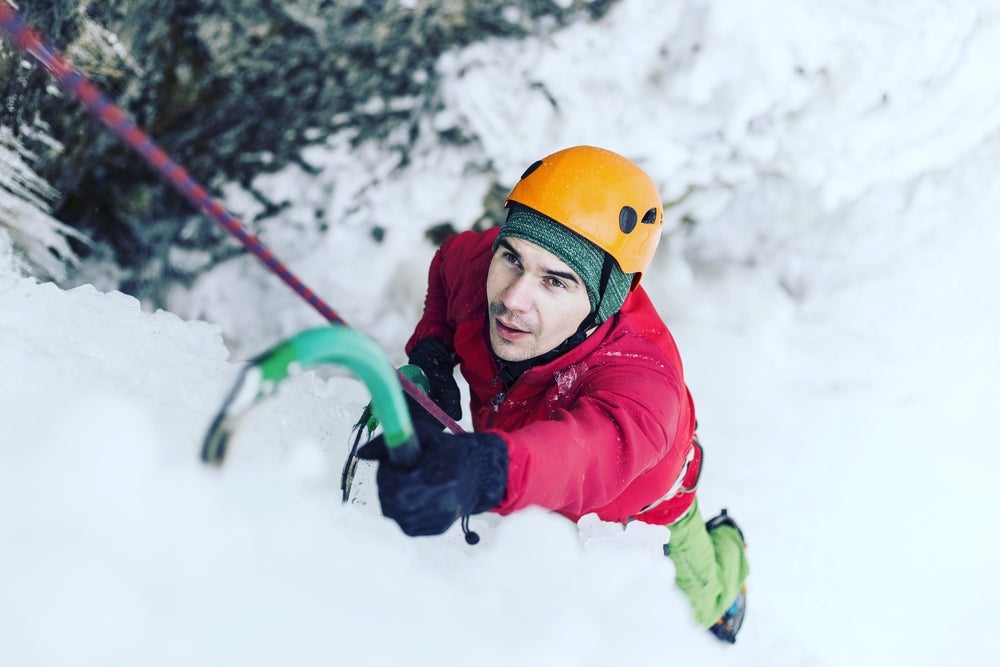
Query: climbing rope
(29, 40)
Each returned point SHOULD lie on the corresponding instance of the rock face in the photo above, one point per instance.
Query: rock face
(230, 88)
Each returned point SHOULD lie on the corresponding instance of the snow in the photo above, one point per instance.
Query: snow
(834, 302)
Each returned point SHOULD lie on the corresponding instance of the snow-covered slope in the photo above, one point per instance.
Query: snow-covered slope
(833, 301)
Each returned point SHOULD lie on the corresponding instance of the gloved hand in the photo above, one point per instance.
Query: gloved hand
(456, 475)
(437, 363)
(430, 367)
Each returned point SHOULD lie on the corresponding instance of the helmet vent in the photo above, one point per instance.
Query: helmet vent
(650, 217)
(627, 219)
(530, 170)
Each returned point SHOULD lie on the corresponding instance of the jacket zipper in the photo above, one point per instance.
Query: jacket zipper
(498, 399)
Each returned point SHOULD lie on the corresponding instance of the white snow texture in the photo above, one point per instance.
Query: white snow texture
(830, 270)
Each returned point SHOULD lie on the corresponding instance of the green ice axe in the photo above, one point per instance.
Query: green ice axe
(336, 344)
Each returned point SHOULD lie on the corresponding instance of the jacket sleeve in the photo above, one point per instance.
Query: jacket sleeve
(435, 321)
(614, 443)
(456, 287)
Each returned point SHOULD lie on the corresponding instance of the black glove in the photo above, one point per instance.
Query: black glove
(437, 363)
(456, 475)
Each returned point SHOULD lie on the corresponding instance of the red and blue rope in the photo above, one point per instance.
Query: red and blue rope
(117, 120)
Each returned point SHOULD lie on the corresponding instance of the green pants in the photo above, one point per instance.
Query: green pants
(711, 567)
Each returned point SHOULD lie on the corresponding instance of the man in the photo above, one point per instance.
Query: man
(577, 391)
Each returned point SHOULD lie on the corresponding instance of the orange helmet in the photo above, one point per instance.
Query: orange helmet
(600, 195)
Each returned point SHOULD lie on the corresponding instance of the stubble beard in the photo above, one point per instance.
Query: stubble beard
(502, 348)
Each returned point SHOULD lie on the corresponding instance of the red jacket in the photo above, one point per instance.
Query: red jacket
(605, 428)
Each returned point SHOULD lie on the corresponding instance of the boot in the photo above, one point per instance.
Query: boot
(726, 628)
(731, 622)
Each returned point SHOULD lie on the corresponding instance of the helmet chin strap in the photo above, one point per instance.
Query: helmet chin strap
(510, 371)
(590, 321)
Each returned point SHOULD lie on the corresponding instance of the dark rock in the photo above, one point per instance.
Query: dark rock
(231, 89)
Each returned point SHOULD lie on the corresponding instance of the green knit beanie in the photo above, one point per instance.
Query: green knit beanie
(585, 258)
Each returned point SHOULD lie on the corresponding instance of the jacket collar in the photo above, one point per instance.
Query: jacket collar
(570, 351)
